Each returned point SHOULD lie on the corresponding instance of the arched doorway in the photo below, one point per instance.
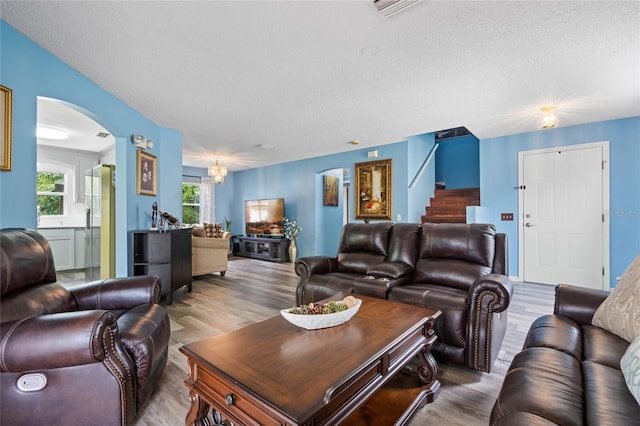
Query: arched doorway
(77, 223)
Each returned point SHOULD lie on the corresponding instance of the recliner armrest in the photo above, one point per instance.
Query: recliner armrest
(498, 286)
(578, 303)
(117, 293)
(56, 340)
(307, 266)
(391, 270)
(489, 298)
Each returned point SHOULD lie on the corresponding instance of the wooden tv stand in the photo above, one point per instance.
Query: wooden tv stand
(271, 249)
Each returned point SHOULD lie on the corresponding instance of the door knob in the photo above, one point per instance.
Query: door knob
(529, 225)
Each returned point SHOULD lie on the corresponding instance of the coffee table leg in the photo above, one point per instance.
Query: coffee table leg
(428, 370)
(428, 366)
(198, 413)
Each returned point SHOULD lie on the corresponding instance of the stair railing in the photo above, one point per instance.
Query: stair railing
(427, 160)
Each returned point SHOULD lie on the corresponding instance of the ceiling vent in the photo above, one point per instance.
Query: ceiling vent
(387, 8)
(102, 134)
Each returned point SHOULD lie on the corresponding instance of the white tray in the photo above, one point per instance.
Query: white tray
(313, 322)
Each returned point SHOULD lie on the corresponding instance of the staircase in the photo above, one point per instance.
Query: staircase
(450, 205)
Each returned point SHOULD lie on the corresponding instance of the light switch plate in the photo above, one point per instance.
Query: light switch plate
(506, 216)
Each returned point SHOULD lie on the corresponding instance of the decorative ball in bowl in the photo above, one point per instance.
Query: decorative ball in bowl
(322, 320)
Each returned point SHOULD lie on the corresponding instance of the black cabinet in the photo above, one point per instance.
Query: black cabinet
(166, 254)
(272, 249)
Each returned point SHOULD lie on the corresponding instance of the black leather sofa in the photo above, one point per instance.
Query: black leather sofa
(91, 354)
(568, 372)
(460, 269)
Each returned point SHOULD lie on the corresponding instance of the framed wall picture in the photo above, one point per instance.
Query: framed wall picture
(5, 128)
(329, 190)
(147, 173)
(373, 190)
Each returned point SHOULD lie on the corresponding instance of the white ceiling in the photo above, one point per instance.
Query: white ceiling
(296, 75)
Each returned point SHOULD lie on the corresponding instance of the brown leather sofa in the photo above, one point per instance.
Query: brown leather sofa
(460, 269)
(89, 354)
(568, 372)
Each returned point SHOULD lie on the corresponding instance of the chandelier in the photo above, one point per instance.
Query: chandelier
(217, 172)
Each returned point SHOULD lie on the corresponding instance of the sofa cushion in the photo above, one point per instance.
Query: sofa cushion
(363, 246)
(36, 300)
(471, 243)
(602, 347)
(449, 272)
(322, 286)
(28, 261)
(630, 366)
(620, 312)
(556, 332)
(451, 326)
(521, 418)
(607, 398)
(198, 231)
(544, 382)
(453, 255)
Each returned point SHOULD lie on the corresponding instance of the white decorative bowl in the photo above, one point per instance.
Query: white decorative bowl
(313, 322)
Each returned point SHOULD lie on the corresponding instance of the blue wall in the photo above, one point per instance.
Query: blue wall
(458, 162)
(31, 71)
(499, 177)
(300, 184)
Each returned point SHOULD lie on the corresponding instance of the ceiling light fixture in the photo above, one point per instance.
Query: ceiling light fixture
(388, 8)
(217, 172)
(140, 141)
(548, 118)
(51, 133)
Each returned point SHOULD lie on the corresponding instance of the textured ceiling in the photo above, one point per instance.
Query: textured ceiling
(299, 75)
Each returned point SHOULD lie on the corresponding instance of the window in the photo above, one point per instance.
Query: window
(50, 187)
(190, 203)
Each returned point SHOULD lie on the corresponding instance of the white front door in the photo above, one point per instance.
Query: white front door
(563, 216)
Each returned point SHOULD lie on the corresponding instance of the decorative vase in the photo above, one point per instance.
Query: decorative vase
(293, 251)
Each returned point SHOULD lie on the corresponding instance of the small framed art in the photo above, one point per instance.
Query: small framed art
(147, 173)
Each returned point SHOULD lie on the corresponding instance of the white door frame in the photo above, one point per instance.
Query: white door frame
(605, 203)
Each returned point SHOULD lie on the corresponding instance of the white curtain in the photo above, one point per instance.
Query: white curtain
(207, 201)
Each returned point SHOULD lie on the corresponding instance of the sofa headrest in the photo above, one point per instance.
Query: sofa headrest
(25, 259)
(469, 242)
(372, 238)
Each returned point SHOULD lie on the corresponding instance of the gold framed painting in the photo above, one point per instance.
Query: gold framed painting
(5, 126)
(374, 187)
(147, 173)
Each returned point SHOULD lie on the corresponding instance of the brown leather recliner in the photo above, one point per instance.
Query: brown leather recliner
(462, 271)
(459, 269)
(90, 354)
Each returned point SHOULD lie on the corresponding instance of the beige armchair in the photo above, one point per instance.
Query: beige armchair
(210, 254)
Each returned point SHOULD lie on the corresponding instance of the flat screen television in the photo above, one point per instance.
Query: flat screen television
(264, 217)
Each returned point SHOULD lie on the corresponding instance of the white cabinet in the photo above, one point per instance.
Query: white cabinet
(62, 242)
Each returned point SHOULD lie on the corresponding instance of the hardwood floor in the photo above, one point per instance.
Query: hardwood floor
(254, 290)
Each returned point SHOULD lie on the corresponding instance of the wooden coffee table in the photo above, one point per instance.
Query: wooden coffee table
(376, 367)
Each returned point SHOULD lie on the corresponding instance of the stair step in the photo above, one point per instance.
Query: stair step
(450, 205)
(475, 192)
(462, 201)
(444, 219)
(446, 210)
